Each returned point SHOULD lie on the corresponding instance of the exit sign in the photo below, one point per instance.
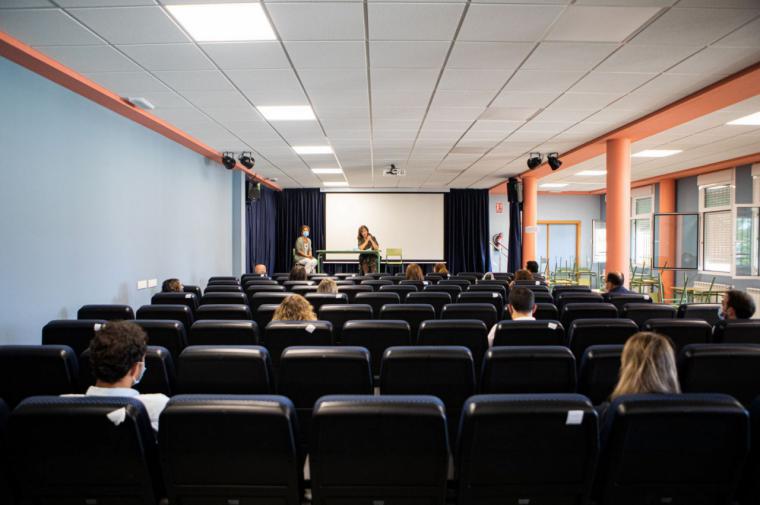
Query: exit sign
(499, 207)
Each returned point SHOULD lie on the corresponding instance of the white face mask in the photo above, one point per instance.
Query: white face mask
(142, 373)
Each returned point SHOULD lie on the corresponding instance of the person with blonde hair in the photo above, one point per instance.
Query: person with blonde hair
(440, 269)
(328, 286)
(648, 365)
(294, 308)
(414, 273)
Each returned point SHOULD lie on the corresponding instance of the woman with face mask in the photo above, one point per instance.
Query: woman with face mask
(367, 241)
(304, 255)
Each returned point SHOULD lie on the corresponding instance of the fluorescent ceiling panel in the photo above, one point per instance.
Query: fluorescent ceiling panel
(336, 184)
(751, 120)
(327, 170)
(313, 149)
(287, 112)
(553, 185)
(591, 173)
(656, 153)
(223, 22)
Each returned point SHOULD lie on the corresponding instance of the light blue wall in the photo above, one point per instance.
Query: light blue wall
(91, 202)
(583, 208)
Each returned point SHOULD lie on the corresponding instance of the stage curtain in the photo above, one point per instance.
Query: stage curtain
(466, 230)
(261, 234)
(297, 207)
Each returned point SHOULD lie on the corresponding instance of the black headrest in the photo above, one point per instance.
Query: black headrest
(528, 332)
(598, 372)
(159, 375)
(453, 325)
(528, 369)
(628, 297)
(224, 298)
(347, 308)
(30, 370)
(75, 334)
(603, 323)
(388, 296)
(391, 310)
(376, 325)
(430, 295)
(250, 289)
(281, 334)
(206, 369)
(262, 297)
(449, 288)
(480, 296)
(468, 307)
(168, 334)
(386, 406)
(594, 310)
(584, 333)
(737, 331)
(329, 297)
(189, 299)
(649, 307)
(353, 287)
(181, 313)
(710, 312)
(223, 288)
(224, 311)
(224, 332)
(495, 406)
(107, 312)
(578, 295)
(424, 353)
(528, 352)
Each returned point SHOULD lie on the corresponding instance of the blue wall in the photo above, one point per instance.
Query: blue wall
(91, 202)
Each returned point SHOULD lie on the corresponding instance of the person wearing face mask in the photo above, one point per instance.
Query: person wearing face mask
(117, 360)
(737, 305)
(304, 255)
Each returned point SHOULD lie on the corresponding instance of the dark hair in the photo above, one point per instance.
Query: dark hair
(532, 267)
(115, 349)
(615, 278)
(359, 233)
(171, 286)
(297, 273)
(522, 299)
(741, 302)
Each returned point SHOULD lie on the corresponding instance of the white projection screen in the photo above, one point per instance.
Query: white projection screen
(410, 221)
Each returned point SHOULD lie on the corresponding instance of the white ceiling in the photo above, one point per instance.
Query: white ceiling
(456, 93)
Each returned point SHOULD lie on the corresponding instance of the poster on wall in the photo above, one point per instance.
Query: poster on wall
(599, 241)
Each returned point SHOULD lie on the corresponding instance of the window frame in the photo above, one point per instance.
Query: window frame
(643, 193)
(731, 207)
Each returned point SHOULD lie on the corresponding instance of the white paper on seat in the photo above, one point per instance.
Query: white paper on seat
(310, 328)
(117, 416)
(552, 326)
(97, 326)
(574, 417)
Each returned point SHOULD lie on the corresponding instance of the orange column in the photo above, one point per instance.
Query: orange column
(530, 219)
(618, 206)
(667, 234)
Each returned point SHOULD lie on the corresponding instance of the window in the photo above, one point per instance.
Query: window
(717, 244)
(641, 231)
(717, 196)
(746, 258)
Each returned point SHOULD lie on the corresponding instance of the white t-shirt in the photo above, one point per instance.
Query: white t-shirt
(515, 317)
(154, 403)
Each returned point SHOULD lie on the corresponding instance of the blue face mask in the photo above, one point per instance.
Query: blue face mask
(306, 233)
(142, 374)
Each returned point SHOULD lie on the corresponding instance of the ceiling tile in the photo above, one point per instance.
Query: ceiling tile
(9, 4)
(334, 79)
(746, 36)
(584, 101)
(247, 55)
(326, 98)
(395, 99)
(488, 55)
(609, 82)
(131, 25)
(507, 23)
(332, 54)
(524, 99)
(507, 113)
(166, 99)
(462, 98)
(719, 61)
(542, 80)
(50, 27)
(318, 20)
(599, 24)
(454, 113)
(403, 79)
(124, 83)
(563, 115)
(693, 26)
(407, 54)
(168, 56)
(265, 79)
(567, 56)
(216, 99)
(483, 80)
(195, 80)
(100, 58)
(646, 58)
(413, 21)
(103, 3)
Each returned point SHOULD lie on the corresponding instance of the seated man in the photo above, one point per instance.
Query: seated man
(260, 270)
(737, 305)
(532, 267)
(521, 305)
(117, 359)
(614, 284)
(172, 286)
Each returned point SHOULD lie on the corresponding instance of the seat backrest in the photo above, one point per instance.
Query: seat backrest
(412, 313)
(539, 289)
(546, 311)
(672, 449)
(730, 369)
(318, 299)
(584, 333)
(469, 333)
(681, 332)
(266, 298)
(218, 369)
(196, 290)
(222, 279)
(181, 313)
(640, 313)
(31, 370)
(248, 449)
(453, 291)
(281, 334)
(526, 332)
(5, 489)
(572, 311)
(251, 290)
(352, 290)
(473, 277)
(737, 331)
(599, 372)
(75, 334)
(557, 290)
(340, 313)
(529, 282)
(619, 300)
(500, 461)
(491, 297)
(170, 335)
(376, 336)
(528, 369)
(223, 288)
(160, 376)
(376, 283)
(264, 314)
(303, 290)
(236, 312)
(420, 285)
(58, 446)
(224, 332)
(289, 285)
(224, 298)
(377, 300)
(564, 298)
(545, 298)
(438, 299)
(401, 290)
(708, 312)
(189, 299)
(391, 448)
(453, 281)
(107, 312)
(486, 312)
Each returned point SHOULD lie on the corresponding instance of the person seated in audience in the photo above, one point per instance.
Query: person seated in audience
(488, 276)
(532, 267)
(260, 270)
(327, 286)
(614, 283)
(414, 273)
(117, 359)
(172, 286)
(297, 273)
(521, 275)
(440, 269)
(737, 305)
(367, 241)
(521, 305)
(304, 254)
(294, 308)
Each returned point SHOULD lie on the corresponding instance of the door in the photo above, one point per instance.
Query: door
(558, 244)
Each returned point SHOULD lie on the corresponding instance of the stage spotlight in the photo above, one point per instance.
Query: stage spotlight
(247, 160)
(554, 161)
(228, 160)
(534, 160)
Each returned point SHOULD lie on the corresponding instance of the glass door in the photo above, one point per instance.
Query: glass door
(557, 244)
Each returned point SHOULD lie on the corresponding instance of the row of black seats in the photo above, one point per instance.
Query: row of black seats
(522, 449)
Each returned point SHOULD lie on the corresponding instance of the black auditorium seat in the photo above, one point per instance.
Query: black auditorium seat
(527, 282)
(413, 313)
(438, 299)
(420, 285)
(352, 290)
(379, 449)
(252, 289)
(576, 297)
(681, 332)
(376, 336)
(537, 289)
(558, 290)
(599, 372)
(223, 279)
(180, 313)
(376, 283)
(281, 334)
(679, 449)
(485, 312)
(546, 311)
(491, 297)
(168, 334)
(5, 488)
(30, 370)
(188, 299)
(248, 449)
(73, 333)
(266, 297)
(619, 300)
(340, 313)
(107, 312)
(731, 369)
(452, 290)
(259, 282)
(584, 333)
(224, 332)
(392, 278)
(473, 277)
(528, 369)
(224, 298)
(196, 290)
(527, 332)
(572, 311)
(750, 488)
(708, 312)
(223, 288)
(433, 278)
(525, 449)
(377, 300)
(234, 312)
(264, 314)
(469, 333)
(401, 290)
(640, 313)
(453, 281)
(64, 450)
(544, 298)
(160, 376)
(318, 299)
(238, 370)
(303, 290)
(737, 331)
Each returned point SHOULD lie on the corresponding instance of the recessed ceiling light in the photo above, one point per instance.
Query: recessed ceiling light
(553, 185)
(751, 120)
(313, 149)
(223, 22)
(327, 170)
(656, 153)
(287, 112)
(336, 184)
(591, 173)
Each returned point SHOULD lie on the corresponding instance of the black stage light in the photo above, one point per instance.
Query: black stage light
(247, 160)
(534, 160)
(554, 161)
(228, 160)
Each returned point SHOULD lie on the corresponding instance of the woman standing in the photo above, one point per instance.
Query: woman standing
(366, 241)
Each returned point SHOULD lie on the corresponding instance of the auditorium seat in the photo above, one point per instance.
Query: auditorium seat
(640, 313)
(708, 312)
(303, 290)
(224, 369)
(246, 278)
(250, 291)
(525, 449)
(107, 312)
(469, 333)
(266, 298)
(538, 289)
(619, 300)
(676, 449)
(222, 278)
(546, 311)
(420, 285)
(375, 283)
(264, 314)
(453, 281)
(5, 488)
(223, 288)
(188, 299)
(576, 297)
(338, 314)
(584, 333)
(526, 332)
(30, 370)
(493, 282)
(160, 376)
(543, 298)
(412, 313)
(318, 299)
(73, 333)
(376, 336)
(170, 335)
(435, 298)
(179, 313)
(452, 290)
(599, 371)
(249, 283)
(308, 373)
(486, 312)
(377, 300)
(528, 369)
(491, 297)
(352, 290)
(681, 332)
(391, 278)
(224, 298)
(750, 488)
(230, 449)
(558, 290)
(572, 311)
(281, 334)
(345, 282)
(224, 332)
(731, 369)
(473, 277)
(502, 291)
(737, 331)
(236, 312)
(379, 449)
(65, 451)
(433, 278)
(401, 291)
(196, 290)
(289, 285)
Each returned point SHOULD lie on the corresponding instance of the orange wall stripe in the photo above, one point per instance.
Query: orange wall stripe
(26, 56)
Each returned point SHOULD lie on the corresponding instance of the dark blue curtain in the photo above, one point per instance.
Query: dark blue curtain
(297, 207)
(514, 262)
(466, 233)
(260, 218)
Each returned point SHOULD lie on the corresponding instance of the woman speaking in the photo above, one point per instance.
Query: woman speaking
(366, 241)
